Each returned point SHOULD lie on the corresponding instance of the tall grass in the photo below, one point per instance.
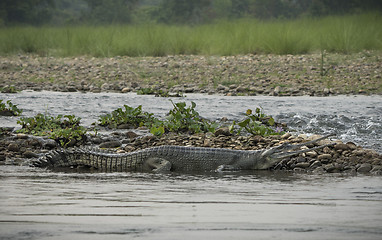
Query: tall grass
(336, 34)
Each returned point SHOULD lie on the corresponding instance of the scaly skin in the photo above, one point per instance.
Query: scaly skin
(172, 158)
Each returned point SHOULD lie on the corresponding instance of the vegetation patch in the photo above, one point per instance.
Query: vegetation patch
(132, 117)
(9, 109)
(65, 130)
(257, 123)
(185, 119)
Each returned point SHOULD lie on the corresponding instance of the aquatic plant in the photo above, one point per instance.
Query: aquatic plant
(187, 119)
(157, 130)
(134, 117)
(257, 123)
(180, 119)
(65, 130)
(9, 109)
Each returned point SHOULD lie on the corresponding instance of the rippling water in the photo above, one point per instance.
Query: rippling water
(43, 205)
(39, 204)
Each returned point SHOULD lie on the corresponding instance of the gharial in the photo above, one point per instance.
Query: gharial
(173, 158)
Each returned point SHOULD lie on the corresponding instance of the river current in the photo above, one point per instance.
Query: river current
(39, 204)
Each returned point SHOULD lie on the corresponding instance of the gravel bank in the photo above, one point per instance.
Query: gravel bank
(286, 75)
(340, 158)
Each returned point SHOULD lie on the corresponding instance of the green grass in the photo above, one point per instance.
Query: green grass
(345, 34)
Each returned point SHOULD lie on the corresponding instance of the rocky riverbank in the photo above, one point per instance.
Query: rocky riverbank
(18, 149)
(286, 75)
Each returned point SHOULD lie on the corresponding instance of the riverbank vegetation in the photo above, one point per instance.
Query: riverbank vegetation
(344, 34)
(67, 131)
(9, 109)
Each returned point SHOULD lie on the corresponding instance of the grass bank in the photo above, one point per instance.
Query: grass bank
(342, 34)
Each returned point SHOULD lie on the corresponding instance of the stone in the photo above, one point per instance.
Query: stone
(71, 89)
(315, 164)
(364, 168)
(359, 152)
(302, 165)
(34, 142)
(341, 146)
(301, 160)
(110, 144)
(222, 131)
(222, 88)
(30, 154)
(207, 142)
(22, 136)
(124, 126)
(324, 156)
(126, 89)
(286, 136)
(50, 143)
(96, 140)
(131, 134)
(14, 147)
(351, 145)
(333, 168)
(189, 90)
(311, 154)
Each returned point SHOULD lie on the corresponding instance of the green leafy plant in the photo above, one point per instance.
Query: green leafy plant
(157, 131)
(129, 115)
(183, 119)
(180, 119)
(257, 123)
(9, 109)
(65, 130)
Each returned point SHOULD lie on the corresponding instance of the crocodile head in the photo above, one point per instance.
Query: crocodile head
(269, 157)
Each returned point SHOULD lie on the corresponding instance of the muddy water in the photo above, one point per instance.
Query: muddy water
(38, 204)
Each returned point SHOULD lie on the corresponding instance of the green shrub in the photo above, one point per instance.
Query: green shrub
(187, 119)
(183, 119)
(257, 124)
(10, 110)
(65, 130)
(134, 117)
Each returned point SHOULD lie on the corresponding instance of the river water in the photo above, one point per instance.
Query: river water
(39, 204)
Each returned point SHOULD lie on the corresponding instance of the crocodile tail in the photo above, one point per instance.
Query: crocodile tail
(51, 159)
